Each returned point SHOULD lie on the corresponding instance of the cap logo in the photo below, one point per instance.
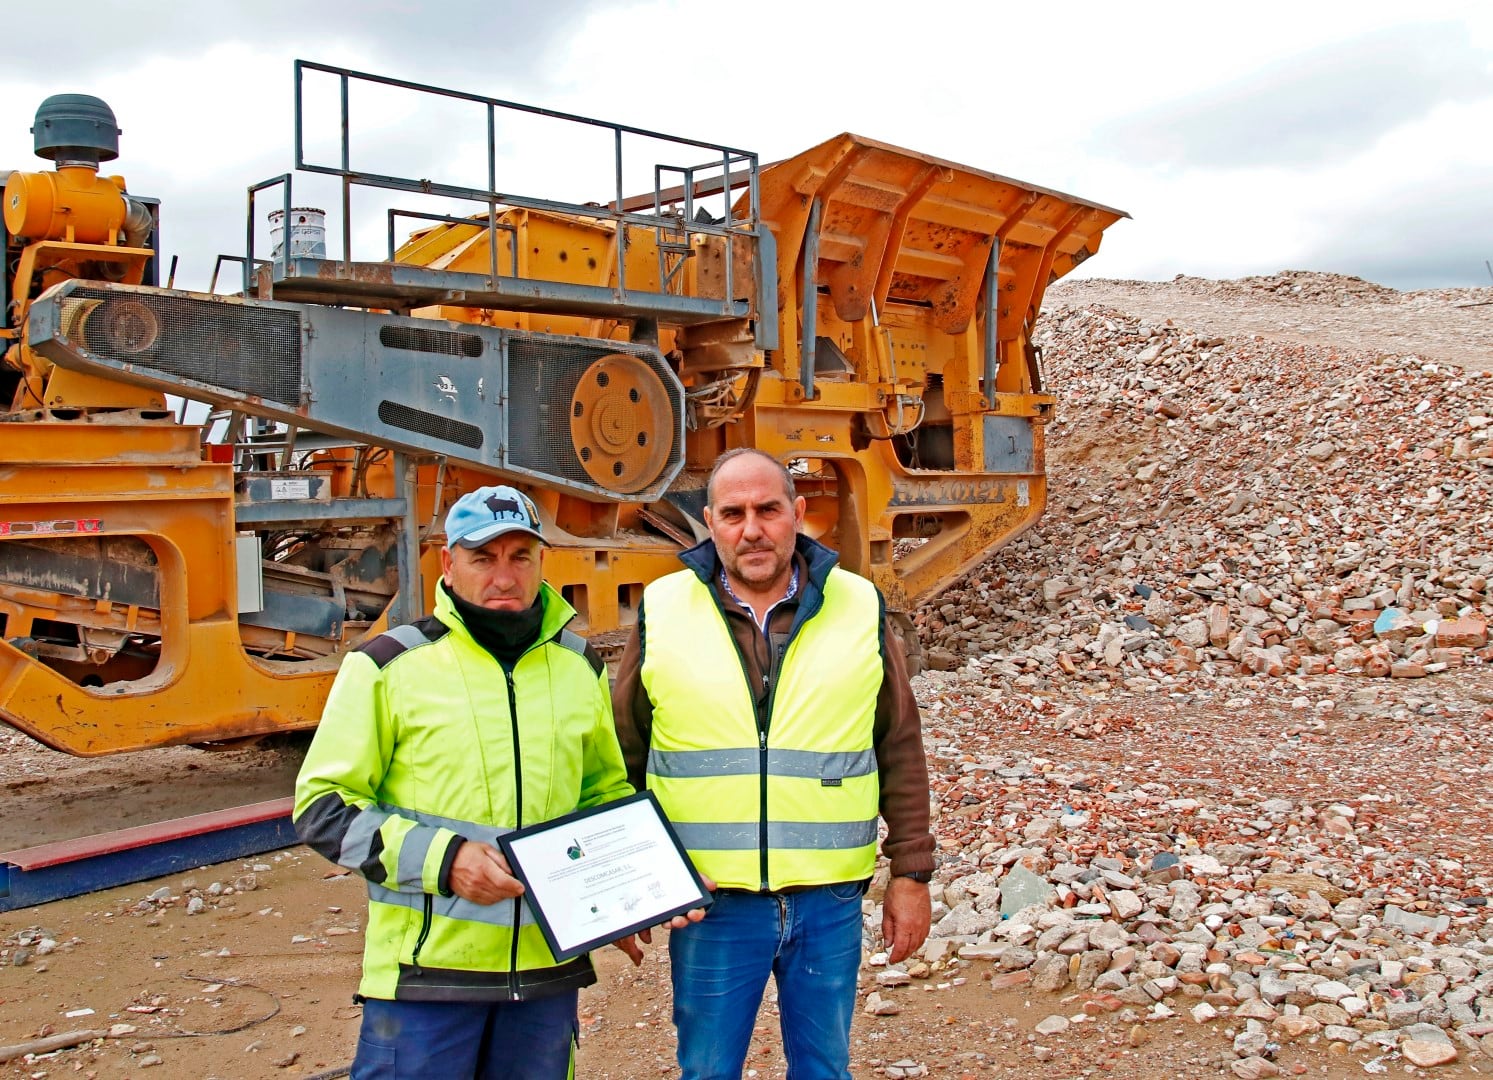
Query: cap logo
(504, 509)
(511, 510)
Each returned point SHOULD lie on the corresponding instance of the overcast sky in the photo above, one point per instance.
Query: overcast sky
(1243, 139)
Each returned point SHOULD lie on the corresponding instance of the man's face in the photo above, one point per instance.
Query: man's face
(502, 575)
(753, 524)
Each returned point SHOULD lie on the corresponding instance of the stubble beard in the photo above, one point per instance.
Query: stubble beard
(758, 574)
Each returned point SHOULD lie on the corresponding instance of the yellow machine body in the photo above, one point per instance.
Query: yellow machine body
(164, 583)
(73, 203)
(901, 261)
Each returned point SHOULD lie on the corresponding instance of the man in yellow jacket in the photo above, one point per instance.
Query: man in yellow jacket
(438, 737)
(762, 701)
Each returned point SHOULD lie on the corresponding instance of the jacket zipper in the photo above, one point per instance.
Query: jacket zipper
(518, 819)
(762, 804)
(764, 721)
(762, 725)
(425, 922)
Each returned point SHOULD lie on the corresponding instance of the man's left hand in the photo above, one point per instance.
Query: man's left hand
(633, 944)
(906, 912)
(630, 945)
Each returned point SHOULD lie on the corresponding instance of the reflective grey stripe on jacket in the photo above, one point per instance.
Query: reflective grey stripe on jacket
(357, 842)
(806, 835)
(411, 637)
(745, 761)
(572, 641)
(454, 907)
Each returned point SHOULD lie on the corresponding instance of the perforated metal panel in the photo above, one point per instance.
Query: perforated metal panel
(250, 350)
(419, 339)
(423, 422)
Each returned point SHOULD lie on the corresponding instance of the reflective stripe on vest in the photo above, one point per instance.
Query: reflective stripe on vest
(780, 762)
(411, 637)
(454, 907)
(825, 835)
(707, 766)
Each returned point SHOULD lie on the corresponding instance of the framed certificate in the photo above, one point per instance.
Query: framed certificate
(596, 875)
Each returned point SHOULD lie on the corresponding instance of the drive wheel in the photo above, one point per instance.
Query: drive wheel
(123, 328)
(621, 423)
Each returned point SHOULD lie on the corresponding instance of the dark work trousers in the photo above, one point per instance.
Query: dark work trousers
(419, 1040)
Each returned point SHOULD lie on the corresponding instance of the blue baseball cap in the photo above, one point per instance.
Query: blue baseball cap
(480, 515)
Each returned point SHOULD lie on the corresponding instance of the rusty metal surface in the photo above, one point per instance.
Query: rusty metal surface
(167, 707)
(116, 569)
(930, 567)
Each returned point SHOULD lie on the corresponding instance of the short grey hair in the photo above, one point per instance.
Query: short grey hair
(748, 451)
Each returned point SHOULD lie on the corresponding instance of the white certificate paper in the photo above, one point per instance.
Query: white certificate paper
(597, 875)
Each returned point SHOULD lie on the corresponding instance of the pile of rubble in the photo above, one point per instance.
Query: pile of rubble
(1291, 958)
(1276, 885)
(1251, 837)
(1305, 287)
(1243, 506)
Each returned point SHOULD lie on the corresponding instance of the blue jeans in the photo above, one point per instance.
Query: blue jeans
(810, 942)
(419, 1040)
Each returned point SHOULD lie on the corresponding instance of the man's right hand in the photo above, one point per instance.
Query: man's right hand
(479, 873)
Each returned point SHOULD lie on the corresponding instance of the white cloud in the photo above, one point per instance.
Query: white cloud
(1110, 104)
(1312, 107)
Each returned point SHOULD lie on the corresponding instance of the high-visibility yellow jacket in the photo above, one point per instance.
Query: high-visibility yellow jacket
(425, 741)
(767, 792)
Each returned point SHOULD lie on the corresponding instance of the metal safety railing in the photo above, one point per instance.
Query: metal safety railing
(284, 181)
(724, 170)
(248, 265)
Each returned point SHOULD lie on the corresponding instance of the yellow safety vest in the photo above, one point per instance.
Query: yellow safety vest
(795, 804)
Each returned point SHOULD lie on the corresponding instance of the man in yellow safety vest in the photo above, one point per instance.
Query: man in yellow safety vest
(763, 699)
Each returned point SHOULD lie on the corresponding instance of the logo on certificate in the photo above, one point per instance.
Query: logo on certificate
(574, 851)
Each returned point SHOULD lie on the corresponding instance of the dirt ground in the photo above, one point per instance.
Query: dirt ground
(259, 983)
(50, 796)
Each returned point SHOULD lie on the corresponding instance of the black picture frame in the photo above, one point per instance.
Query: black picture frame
(563, 827)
